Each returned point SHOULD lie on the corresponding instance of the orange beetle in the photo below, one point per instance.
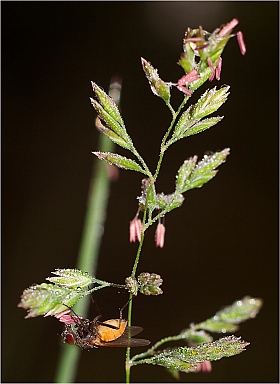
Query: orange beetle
(93, 333)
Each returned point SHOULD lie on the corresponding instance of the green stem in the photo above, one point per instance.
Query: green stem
(171, 109)
(163, 147)
(140, 158)
(88, 253)
(136, 261)
(127, 367)
(129, 312)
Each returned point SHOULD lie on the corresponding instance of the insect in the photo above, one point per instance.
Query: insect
(88, 334)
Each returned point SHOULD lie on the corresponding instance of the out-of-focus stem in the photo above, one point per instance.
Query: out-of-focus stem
(90, 243)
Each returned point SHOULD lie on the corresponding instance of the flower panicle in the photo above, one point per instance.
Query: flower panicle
(202, 50)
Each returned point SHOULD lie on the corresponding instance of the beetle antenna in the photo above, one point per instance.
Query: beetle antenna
(96, 306)
(121, 310)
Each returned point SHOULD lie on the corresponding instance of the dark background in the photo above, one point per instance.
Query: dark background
(220, 246)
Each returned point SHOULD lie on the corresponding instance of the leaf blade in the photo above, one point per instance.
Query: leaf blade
(119, 161)
(187, 358)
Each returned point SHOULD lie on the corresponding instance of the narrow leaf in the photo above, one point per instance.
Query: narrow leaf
(119, 161)
(158, 86)
(184, 173)
(49, 299)
(212, 325)
(205, 170)
(169, 202)
(240, 310)
(125, 143)
(186, 358)
(190, 122)
(184, 123)
(212, 161)
(109, 121)
(68, 287)
(202, 125)
(227, 319)
(199, 180)
(108, 104)
(209, 102)
(71, 278)
(187, 59)
(151, 197)
(196, 337)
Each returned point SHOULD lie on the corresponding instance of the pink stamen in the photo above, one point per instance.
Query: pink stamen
(187, 79)
(228, 28)
(193, 39)
(67, 319)
(60, 314)
(241, 42)
(204, 366)
(202, 46)
(186, 91)
(135, 229)
(210, 64)
(218, 68)
(160, 233)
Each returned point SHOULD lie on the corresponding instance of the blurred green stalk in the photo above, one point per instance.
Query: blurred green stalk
(90, 242)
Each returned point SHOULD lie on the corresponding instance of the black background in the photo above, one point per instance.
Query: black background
(220, 246)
